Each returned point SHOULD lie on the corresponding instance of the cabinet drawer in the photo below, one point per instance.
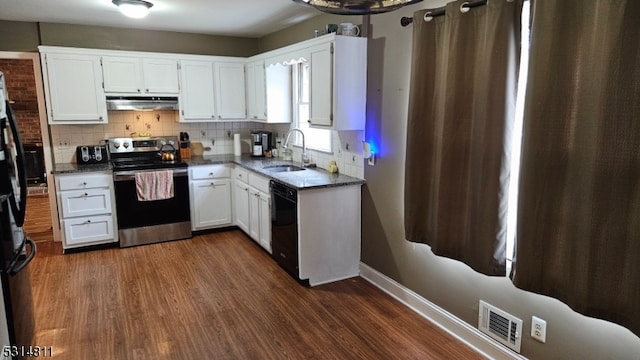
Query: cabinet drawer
(85, 202)
(259, 182)
(209, 172)
(241, 174)
(86, 230)
(78, 182)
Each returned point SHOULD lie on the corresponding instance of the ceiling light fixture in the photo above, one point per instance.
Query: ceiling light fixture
(136, 9)
(357, 7)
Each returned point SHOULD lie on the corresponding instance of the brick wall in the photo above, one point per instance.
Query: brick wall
(21, 86)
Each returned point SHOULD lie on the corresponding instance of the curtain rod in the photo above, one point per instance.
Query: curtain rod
(405, 21)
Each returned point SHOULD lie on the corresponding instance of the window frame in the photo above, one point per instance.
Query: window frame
(298, 101)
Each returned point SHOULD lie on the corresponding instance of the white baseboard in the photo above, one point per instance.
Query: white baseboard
(443, 319)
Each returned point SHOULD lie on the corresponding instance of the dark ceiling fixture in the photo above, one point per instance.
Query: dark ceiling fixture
(356, 7)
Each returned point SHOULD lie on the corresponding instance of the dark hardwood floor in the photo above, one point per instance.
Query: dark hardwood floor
(216, 296)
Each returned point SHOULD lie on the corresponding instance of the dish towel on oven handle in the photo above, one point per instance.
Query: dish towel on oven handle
(154, 185)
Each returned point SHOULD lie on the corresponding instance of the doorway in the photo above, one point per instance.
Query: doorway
(24, 84)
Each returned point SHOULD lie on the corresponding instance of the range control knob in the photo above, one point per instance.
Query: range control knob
(116, 144)
(126, 145)
(162, 142)
(171, 142)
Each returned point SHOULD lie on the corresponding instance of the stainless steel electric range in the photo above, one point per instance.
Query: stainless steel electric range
(147, 221)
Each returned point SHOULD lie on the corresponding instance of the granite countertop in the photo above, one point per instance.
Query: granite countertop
(70, 168)
(305, 179)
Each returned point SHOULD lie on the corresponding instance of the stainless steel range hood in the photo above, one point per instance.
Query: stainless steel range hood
(141, 103)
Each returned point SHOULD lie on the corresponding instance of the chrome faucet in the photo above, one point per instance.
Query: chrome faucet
(305, 156)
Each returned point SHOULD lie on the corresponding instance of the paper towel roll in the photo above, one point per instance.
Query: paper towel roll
(236, 145)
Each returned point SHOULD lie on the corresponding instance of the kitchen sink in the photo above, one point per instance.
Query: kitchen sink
(283, 168)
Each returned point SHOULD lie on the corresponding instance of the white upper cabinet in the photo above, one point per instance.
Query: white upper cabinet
(230, 90)
(73, 89)
(197, 95)
(256, 91)
(160, 76)
(338, 82)
(321, 85)
(122, 74)
(212, 91)
(144, 76)
(268, 93)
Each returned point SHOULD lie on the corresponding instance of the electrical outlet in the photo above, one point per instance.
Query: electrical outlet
(371, 161)
(63, 144)
(538, 329)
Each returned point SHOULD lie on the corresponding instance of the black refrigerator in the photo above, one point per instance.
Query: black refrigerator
(16, 249)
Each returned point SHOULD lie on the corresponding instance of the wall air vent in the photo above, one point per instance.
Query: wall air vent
(501, 326)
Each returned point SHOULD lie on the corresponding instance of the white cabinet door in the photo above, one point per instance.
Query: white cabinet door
(160, 76)
(254, 214)
(197, 96)
(87, 230)
(241, 204)
(122, 74)
(264, 212)
(133, 75)
(321, 85)
(230, 90)
(256, 91)
(212, 203)
(73, 85)
(338, 83)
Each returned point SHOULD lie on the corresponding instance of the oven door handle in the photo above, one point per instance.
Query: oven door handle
(130, 175)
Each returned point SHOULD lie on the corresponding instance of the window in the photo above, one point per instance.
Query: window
(315, 139)
(517, 136)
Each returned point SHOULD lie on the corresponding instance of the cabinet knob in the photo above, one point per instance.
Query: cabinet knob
(213, 185)
(85, 194)
(213, 116)
(146, 90)
(89, 221)
(219, 116)
(84, 184)
(210, 174)
(138, 90)
(100, 118)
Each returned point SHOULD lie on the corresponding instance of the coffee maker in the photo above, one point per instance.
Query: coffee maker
(261, 142)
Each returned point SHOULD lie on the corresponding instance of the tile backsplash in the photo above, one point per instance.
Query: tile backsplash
(217, 138)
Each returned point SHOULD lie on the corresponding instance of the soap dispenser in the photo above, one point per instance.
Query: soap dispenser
(333, 167)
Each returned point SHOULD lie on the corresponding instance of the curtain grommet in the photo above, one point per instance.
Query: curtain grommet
(427, 16)
(464, 8)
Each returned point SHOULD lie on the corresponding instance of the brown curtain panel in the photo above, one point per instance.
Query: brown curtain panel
(579, 196)
(461, 109)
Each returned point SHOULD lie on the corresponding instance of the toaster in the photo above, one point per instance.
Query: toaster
(91, 154)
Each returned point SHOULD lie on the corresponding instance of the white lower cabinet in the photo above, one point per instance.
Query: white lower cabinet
(210, 194)
(87, 216)
(85, 230)
(253, 206)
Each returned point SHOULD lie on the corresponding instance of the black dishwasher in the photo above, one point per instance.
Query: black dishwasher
(284, 227)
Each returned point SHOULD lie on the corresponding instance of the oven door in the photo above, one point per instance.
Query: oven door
(145, 222)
